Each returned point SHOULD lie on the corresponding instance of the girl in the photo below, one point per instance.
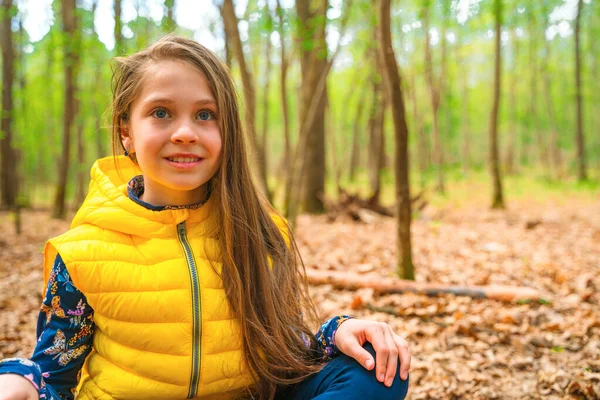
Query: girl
(176, 279)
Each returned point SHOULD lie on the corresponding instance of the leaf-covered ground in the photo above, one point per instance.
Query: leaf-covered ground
(462, 347)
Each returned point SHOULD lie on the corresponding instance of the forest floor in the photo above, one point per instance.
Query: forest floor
(463, 348)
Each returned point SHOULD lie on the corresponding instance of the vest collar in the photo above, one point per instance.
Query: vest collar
(108, 205)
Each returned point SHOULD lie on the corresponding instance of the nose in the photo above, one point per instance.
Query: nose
(184, 134)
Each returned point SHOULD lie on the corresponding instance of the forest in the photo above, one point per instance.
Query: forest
(439, 161)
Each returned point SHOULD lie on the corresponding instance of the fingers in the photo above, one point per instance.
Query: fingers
(361, 355)
(392, 361)
(405, 356)
(377, 337)
(389, 348)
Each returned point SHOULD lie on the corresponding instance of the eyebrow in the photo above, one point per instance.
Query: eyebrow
(167, 100)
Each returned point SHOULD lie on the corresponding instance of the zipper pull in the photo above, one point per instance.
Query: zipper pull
(181, 228)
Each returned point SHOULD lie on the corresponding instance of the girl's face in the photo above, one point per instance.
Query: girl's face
(174, 132)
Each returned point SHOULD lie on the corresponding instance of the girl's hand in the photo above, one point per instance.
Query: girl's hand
(15, 387)
(353, 333)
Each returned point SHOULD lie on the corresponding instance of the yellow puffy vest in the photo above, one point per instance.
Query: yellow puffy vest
(164, 327)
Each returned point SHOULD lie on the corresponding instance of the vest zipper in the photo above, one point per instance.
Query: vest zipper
(196, 310)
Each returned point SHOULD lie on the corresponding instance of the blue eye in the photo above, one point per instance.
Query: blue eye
(160, 113)
(205, 115)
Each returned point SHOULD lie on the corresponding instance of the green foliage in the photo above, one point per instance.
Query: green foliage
(39, 103)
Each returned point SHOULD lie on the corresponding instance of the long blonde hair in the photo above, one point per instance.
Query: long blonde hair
(272, 326)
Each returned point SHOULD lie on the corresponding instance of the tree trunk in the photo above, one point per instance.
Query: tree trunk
(541, 145)
(512, 144)
(424, 155)
(118, 29)
(287, 153)
(394, 89)
(8, 174)
(70, 60)
(466, 113)
(228, 55)
(580, 142)
(554, 148)
(357, 89)
(43, 173)
(435, 101)
(356, 129)
(376, 120)
(231, 26)
(444, 83)
(335, 163)
(168, 21)
(22, 68)
(81, 184)
(265, 115)
(497, 198)
(313, 61)
(100, 148)
(23, 192)
(81, 171)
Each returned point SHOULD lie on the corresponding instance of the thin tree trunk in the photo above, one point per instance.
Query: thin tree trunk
(405, 266)
(352, 91)
(22, 74)
(70, 58)
(466, 112)
(497, 197)
(424, 155)
(443, 82)
(100, 148)
(9, 165)
(356, 129)
(376, 120)
(118, 29)
(228, 56)
(228, 52)
(512, 144)
(231, 25)
(580, 141)
(554, 141)
(335, 163)
(49, 113)
(265, 121)
(595, 71)
(287, 153)
(168, 21)
(81, 172)
(541, 145)
(435, 100)
(81, 185)
(23, 192)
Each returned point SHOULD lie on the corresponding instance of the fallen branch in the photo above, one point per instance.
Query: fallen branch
(353, 281)
(395, 311)
(359, 209)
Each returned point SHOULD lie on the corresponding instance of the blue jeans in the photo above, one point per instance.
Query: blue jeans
(344, 378)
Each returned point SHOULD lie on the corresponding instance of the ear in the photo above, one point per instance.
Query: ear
(126, 137)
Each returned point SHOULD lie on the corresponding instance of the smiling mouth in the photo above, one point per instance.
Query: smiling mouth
(184, 159)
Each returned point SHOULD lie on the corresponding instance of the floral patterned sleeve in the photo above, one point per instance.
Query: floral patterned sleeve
(65, 329)
(326, 336)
